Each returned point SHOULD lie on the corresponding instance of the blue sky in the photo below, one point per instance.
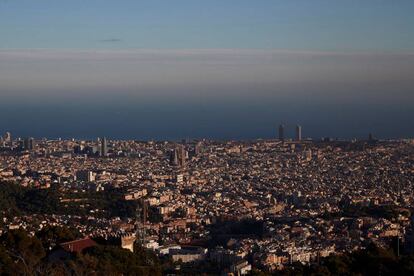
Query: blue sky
(212, 68)
(293, 24)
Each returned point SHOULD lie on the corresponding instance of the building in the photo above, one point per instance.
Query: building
(104, 147)
(182, 155)
(178, 156)
(7, 138)
(92, 150)
(127, 242)
(188, 254)
(66, 250)
(174, 157)
(85, 176)
(179, 178)
(242, 267)
(29, 143)
(78, 245)
(198, 148)
(281, 132)
(308, 155)
(298, 133)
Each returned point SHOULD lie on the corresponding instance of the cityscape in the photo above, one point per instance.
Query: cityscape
(204, 138)
(238, 206)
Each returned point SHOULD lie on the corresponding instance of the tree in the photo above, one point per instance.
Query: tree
(7, 265)
(26, 252)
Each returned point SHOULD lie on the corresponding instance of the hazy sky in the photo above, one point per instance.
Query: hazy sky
(220, 69)
(287, 24)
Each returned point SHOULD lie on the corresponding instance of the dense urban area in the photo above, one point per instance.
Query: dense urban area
(282, 206)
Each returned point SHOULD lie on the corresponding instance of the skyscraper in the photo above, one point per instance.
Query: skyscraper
(308, 155)
(7, 138)
(29, 143)
(174, 157)
(104, 147)
(182, 155)
(281, 132)
(198, 148)
(298, 133)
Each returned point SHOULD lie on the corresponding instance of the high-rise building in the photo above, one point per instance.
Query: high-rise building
(308, 155)
(174, 157)
(104, 147)
(281, 132)
(7, 138)
(29, 143)
(298, 133)
(182, 155)
(140, 221)
(198, 147)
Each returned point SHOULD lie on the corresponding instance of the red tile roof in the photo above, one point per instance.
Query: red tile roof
(78, 245)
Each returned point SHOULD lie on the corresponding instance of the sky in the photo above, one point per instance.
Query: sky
(206, 69)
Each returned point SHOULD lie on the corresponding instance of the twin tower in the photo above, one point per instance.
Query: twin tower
(298, 136)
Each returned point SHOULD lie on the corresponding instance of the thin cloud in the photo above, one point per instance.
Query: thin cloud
(111, 40)
(194, 73)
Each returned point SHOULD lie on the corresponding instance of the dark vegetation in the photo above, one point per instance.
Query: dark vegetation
(21, 254)
(18, 200)
(372, 261)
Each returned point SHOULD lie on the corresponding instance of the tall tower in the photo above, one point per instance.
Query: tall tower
(104, 147)
(298, 133)
(281, 132)
(174, 157)
(29, 143)
(7, 138)
(198, 148)
(182, 155)
(140, 221)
